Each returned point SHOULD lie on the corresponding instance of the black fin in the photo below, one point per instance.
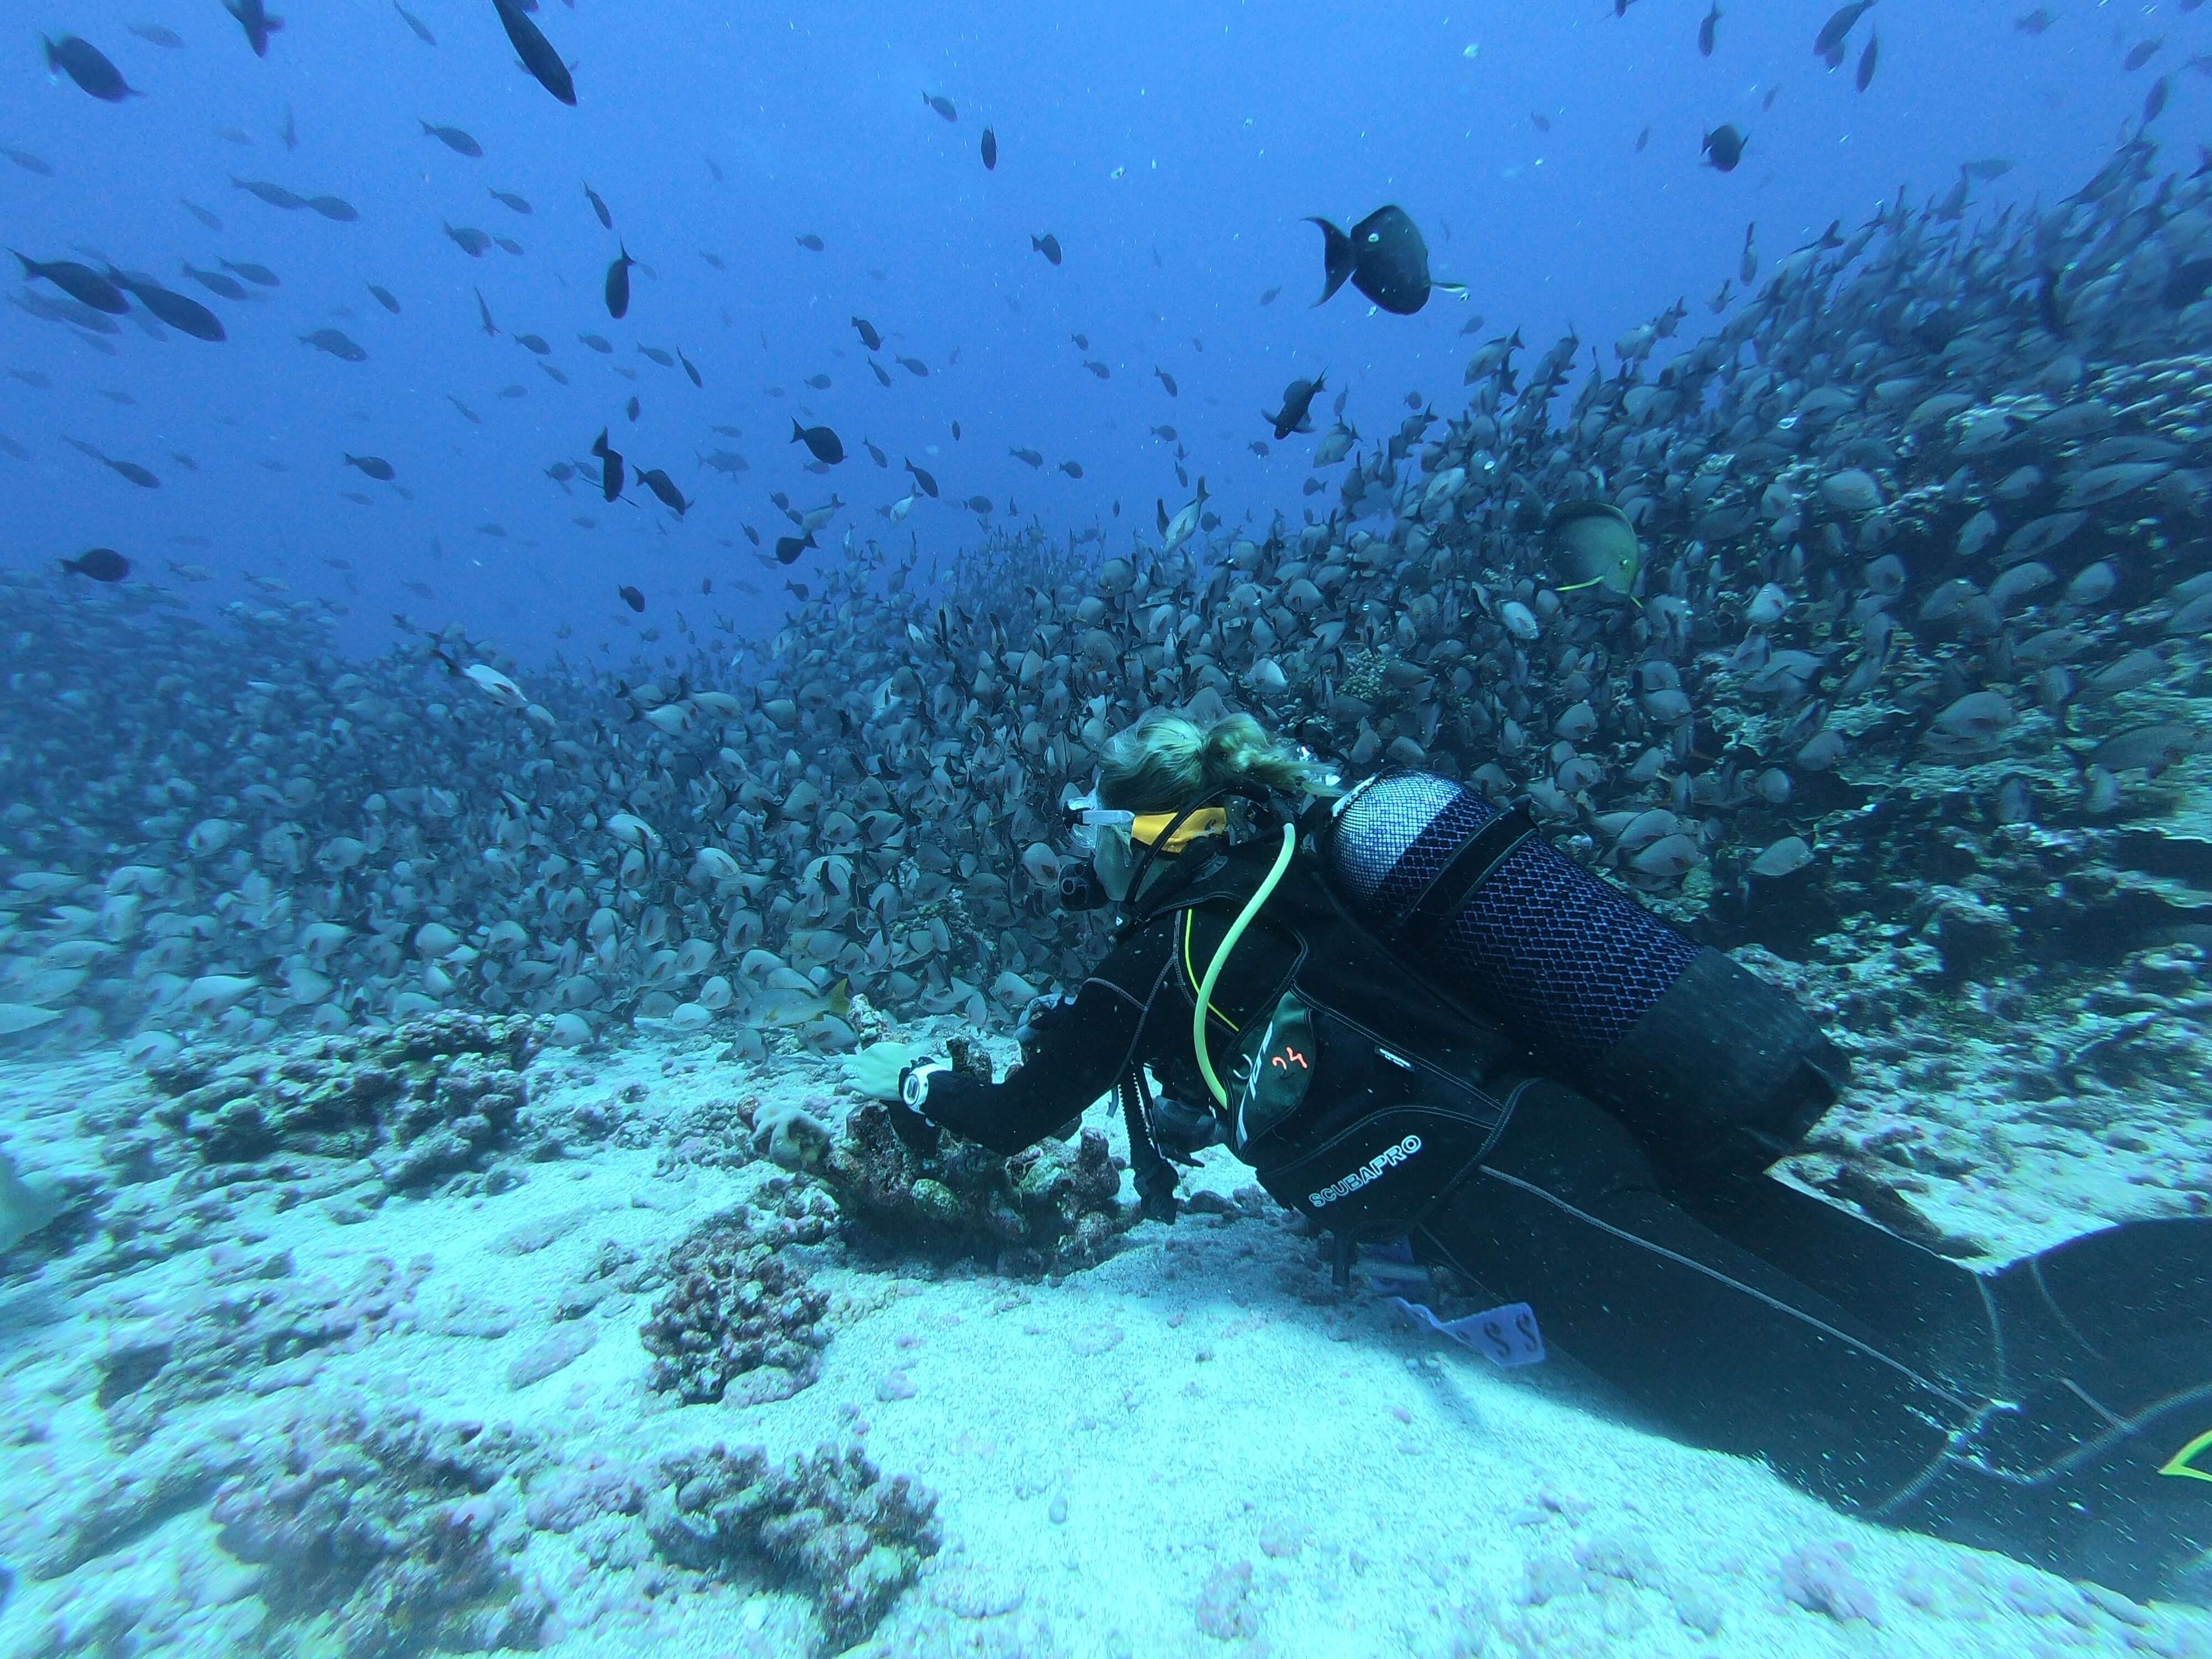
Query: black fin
(1336, 255)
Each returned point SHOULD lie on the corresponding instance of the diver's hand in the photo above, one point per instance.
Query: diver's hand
(875, 1070)
(1044, 1014)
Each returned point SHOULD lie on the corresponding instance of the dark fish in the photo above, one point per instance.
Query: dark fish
(1829, 42)
(714, 167)
(875, 454)
(979, 504)
(1073, 469)
(714, 259)
(819, 382)
(467, 414)
(553, 374)
(374, 466)
(252, 273)
(291, 130)
(1868, 59)
(2155, 100)
(276, 195)
(914, 366)
(102, 564)
(664, 486)
(1642, 139)
(30, 163)
(869, 338)
(187, 316)
(87, 66)
(877, 369)
(927, 484)
(1541, 121)
(1297, 404)
(2036, 22)
(536, 51)
(630, 596)
(821, 442)
(788, 547)
(690, 368)
(1082, 342)
(2187, 283)
(1166, 435)
(1268, 298)
(560, 472)
(467, 238)
(990, 149)
(483, 313)
(1167, 381)
(508, 199)
(942, 105)
(330, 340)
(383, 297)
(197, 211)
(1994, 166)
(256, 21)
(81, 282)
(1385, 258)
(1705, 30)
(138, 474)
(631, 409)
(597, 342)
(1028, 458)
(1048, 245)
(534, 343)
(2139, 54)
(155, 35)
(334, 207)
(606, 219)
(1099, 369)
(610, 472)
(1724, 147)
(454, 139)
(657, 356)
(414, 23)
(811, 242)
(618, 283)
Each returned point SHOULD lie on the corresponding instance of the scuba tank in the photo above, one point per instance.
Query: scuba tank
(1718, 1072)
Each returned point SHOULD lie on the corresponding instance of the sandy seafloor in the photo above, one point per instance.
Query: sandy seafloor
(1191, 1449)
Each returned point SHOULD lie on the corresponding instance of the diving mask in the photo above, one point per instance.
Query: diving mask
(1111, 836)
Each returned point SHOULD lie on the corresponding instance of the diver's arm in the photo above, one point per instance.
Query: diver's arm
(1080, 1048)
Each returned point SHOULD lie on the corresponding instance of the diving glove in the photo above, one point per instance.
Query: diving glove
(876, 1070)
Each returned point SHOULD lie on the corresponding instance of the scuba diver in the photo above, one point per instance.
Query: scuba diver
(1416, 1020)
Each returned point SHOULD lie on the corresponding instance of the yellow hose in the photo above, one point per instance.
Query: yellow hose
(1221, 959)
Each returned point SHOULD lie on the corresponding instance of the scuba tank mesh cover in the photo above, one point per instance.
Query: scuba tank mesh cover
(1711, 1064)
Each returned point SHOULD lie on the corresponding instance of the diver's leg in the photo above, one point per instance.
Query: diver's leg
(2078, 1382)
(1569, 1215)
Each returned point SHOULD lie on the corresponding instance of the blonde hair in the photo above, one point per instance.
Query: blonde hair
(1166, 761)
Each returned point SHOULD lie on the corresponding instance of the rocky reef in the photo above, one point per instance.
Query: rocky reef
(827, 1523)
(382, 1535)
(431, 1098)
(1052, 1207)
(739, 1310)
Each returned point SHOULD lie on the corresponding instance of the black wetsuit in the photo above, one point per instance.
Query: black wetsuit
(2028, 1411)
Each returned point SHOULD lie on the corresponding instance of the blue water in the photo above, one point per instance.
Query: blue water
(1173, 150)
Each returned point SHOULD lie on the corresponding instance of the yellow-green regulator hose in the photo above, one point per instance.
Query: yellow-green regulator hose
(1221, 959)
